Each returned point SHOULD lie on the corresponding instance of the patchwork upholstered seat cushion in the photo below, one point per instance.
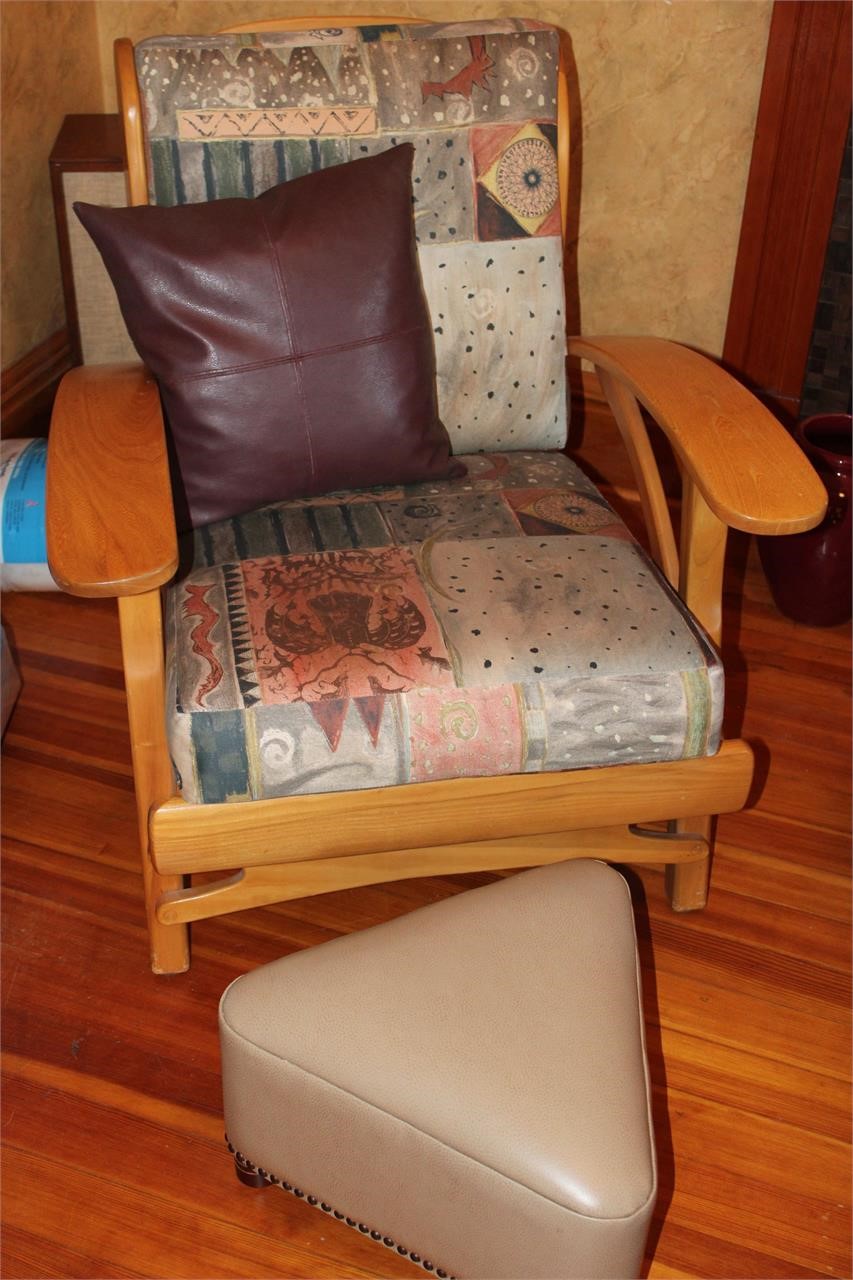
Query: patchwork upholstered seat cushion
(505, 622)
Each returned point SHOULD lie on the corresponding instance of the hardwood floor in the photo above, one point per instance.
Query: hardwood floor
(114, 1160)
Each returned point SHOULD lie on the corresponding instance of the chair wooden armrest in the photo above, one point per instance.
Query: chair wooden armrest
(742, 461)
(110, 520)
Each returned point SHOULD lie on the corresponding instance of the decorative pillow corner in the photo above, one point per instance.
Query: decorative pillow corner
(289, 333)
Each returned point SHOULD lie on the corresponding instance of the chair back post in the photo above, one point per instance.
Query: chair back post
(564, 134)
(130, 109)
(307, 22)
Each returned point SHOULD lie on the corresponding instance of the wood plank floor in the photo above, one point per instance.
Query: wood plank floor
(114, 1162)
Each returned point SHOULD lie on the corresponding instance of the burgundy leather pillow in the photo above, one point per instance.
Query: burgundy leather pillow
(289, 334)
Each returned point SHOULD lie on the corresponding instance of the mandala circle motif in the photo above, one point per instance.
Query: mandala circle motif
(575, 512)
(527, 177)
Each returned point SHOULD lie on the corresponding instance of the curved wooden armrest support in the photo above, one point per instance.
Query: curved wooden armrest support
(742, 461)
(110, 521)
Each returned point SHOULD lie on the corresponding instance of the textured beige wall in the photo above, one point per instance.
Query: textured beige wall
(50, 67)
(665, 110)
(669, 96)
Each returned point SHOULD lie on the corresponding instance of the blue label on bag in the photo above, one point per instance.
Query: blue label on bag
(23, 529)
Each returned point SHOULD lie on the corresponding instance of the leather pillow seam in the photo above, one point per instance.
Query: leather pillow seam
(298, 355)
(288, 321)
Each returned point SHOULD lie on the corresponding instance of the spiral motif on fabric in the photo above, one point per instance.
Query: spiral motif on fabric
(459, 720)
(421, 511)
(277, 751)
(527, 177)
(523, 63)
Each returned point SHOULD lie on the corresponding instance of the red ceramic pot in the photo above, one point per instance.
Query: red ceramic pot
(810, 573)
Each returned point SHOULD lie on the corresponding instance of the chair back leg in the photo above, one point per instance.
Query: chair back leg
(687, 882)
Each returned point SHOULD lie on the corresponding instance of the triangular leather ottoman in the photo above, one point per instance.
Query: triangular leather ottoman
(467, 1083)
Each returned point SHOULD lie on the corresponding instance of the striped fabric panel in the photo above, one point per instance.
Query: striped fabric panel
(195, 172)
(284, 529)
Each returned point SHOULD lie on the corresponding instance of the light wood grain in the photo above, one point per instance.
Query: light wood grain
(261, 885)
(130, 109)
(653, 502)
(297, 828)
(748, 469)
(702, 560)
(141, 624)
(110, 523)
(303, 23)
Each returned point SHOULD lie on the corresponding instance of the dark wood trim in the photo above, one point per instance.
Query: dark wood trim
(799, 143)
(28, 386)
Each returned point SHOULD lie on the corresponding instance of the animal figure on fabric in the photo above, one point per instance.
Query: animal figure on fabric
(476, 72)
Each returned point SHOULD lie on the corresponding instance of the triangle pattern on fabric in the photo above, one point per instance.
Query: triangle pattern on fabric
(330, 714)
(371, 711)
(242, 640)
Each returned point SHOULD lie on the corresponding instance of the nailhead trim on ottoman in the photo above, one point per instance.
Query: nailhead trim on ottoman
(255, 1177)
(470, 1079)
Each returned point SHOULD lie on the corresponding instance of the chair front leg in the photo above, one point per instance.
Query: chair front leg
(141, 623)
(700, 582)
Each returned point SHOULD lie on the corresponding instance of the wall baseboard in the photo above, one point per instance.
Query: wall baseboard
(28, 386)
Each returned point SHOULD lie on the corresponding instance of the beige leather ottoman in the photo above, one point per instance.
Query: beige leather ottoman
(466, 1084)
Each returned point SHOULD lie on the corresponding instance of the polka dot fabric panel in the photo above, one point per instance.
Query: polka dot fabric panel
(501, 623)
(235, 115)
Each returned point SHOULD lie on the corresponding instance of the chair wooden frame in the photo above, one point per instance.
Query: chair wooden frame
(111, 532)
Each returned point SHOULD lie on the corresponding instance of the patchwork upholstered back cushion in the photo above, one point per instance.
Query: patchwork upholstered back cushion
(232, 115)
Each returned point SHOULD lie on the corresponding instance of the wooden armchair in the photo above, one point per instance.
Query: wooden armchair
(112, 532)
